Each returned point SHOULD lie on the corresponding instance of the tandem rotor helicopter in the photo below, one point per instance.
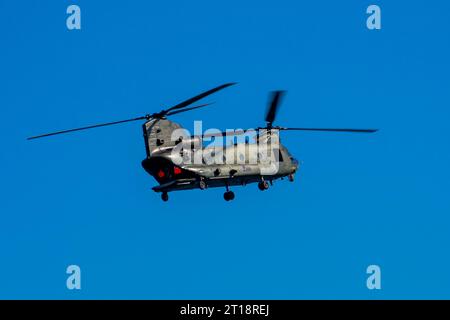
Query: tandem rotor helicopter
(163, 152)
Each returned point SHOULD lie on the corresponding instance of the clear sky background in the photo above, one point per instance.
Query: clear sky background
(358, 199)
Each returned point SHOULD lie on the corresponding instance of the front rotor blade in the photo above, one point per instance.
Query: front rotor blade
(187, 109)
(85, 128)
(331, 130)
(272, 108)
(198, 97)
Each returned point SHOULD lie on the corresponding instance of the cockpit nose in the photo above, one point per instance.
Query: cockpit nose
(294, 163)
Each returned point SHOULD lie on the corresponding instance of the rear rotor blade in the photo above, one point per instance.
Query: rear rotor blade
(331, 130)
(198, 97)
(272, 108)
(241, 132)
(85, 128)
(225, 133)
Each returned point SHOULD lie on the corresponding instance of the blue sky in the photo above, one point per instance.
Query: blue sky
(358, 199)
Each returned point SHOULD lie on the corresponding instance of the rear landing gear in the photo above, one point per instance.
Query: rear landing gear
(165, 196)
(228, 196)
(263, 185)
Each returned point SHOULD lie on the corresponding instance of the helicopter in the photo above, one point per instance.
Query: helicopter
(171, 151)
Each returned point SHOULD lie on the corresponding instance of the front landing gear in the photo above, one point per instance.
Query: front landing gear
(202, 184)
(165, 196)
(228, 196)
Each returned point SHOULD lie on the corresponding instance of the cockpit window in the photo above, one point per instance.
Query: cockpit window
(280, 155)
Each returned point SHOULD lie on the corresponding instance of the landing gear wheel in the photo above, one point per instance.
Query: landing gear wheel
(263, 185)
(228, 196)
(165, 196)
(202, 185)
(291, 177)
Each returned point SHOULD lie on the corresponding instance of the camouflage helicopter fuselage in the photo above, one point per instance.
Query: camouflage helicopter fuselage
(163, 162)
(180, 161)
